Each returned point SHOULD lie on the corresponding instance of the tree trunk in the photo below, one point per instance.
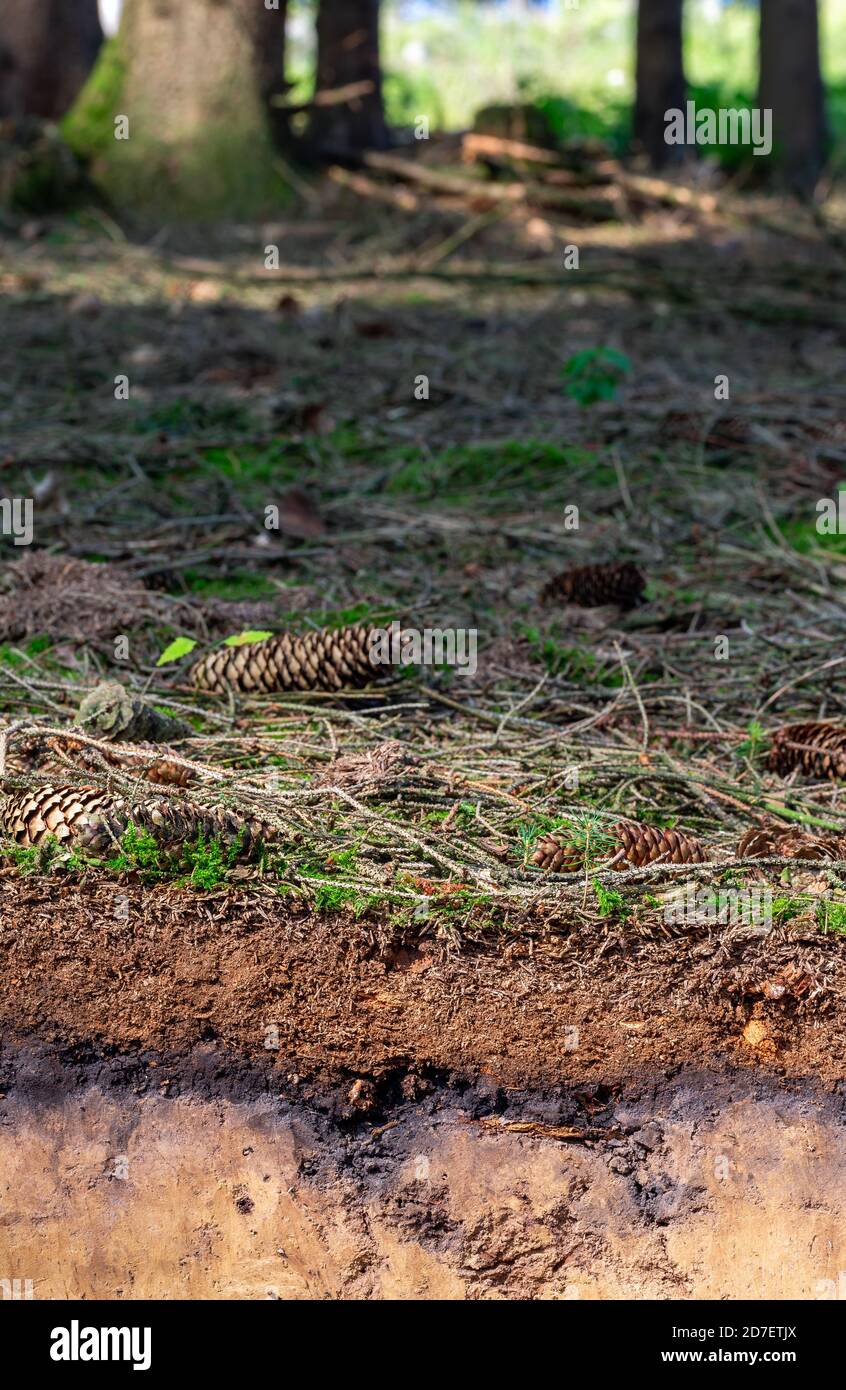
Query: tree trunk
(791, 87)
(192, 80)
(266, 29)
(348, 56)
(47, 49)
(660, 83)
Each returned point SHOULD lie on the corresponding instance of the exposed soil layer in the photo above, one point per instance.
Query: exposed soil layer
(316, 999)
(699, 1185)
(210, 1096)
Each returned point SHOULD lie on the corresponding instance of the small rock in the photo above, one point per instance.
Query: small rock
(619, 1164)
(650, 1136)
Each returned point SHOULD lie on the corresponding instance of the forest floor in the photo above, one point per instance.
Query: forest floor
(402, 928)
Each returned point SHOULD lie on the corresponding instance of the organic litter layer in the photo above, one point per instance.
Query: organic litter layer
(315, 997)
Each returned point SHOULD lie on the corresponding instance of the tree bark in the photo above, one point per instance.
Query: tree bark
(47, 49)
(348, 55)
(190, 84)
(660, 83)
(791, 87)
(266, 30)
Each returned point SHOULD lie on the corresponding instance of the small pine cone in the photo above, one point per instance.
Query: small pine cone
(755, 843)
(95, 820)
(817, 749)
(316, 661)
(169, 774)
(590, 586)
(556, 855)
(641, 845)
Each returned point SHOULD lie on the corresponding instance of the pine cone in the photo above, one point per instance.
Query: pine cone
(590, 586)
(762, 842)
(642, 844)
(555, 854)
(94, 819)
(817, 749)
(109, 711)
(316, 661)
(61, 754)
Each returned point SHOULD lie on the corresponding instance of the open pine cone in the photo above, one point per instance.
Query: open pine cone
(58, 756)
(94, 819)
(590, 586)
(762, 842)
(316, 661)
(641, 845)
(818, 749)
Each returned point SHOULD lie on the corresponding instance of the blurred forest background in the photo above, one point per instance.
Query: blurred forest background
(214, 90)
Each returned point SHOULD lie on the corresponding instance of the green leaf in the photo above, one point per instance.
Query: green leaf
(242, 637)
(180, 646)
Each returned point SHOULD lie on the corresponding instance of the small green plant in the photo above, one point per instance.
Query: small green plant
(831, 917)
(138, 850)
(611, 903)
(750, 746)
(595, 374)
(26, 858)
(207, 862)
(784, 909)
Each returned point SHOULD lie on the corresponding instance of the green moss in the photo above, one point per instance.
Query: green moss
(831, 917)
(89, 125)
(227, 165)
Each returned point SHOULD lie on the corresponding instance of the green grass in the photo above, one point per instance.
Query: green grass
(479, 472)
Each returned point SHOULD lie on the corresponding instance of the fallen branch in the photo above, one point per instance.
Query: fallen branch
(597, 206)
(335, 96)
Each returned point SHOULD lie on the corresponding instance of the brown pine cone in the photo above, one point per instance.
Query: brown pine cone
(556, 855)
(646, 844)
(94, 819)
(58, 756)
(817, 749)
(590, 586)
(761, 842)
(158, 768)
(316, 661)
(755, 843)
(642, 845)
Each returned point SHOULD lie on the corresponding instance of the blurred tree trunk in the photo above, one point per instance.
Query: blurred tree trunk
(193, 81)
(660, 83)
(791, 87)
(266, 28)
(47, 49)
(348, 56)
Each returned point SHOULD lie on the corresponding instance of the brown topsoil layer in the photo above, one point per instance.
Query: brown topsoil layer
(320, 998)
